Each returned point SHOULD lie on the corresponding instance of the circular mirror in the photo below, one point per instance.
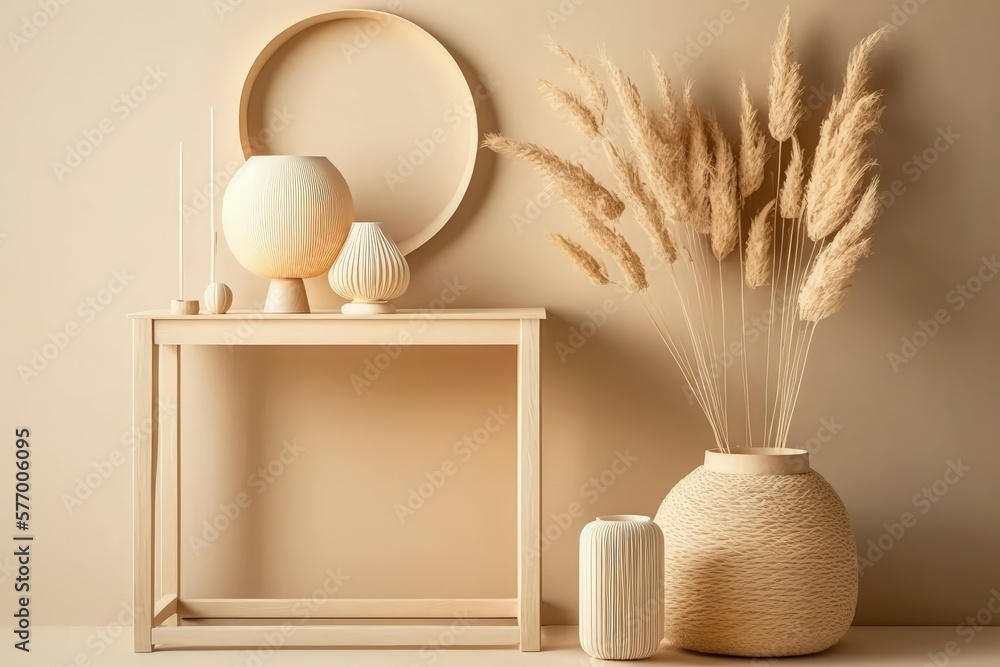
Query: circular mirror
(383, 100)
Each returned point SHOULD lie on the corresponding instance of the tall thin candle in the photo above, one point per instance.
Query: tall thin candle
(211, 188)
(180, 219)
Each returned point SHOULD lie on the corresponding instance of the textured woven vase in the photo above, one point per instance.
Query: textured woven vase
(759, 558)
(621, 587)
(285, 218)
(370, 271)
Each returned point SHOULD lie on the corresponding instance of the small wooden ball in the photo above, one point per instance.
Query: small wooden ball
(218, 298)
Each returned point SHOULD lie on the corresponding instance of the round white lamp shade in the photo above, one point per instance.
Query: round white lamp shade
(370, 271)
(286, 218)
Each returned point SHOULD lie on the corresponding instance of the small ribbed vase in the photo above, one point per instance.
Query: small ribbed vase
(370, 271)
(621, 587)
(759, 558)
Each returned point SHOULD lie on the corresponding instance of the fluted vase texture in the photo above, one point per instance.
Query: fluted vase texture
(621, 587)
(371, 271)
(286, 217)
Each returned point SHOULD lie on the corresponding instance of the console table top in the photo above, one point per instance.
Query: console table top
(402, 314)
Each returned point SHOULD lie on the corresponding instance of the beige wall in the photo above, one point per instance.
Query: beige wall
(332, 506)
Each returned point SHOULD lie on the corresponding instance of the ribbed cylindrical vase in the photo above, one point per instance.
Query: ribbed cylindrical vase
(286, 217)
(370, 270)
(759, 557)
(621, 587)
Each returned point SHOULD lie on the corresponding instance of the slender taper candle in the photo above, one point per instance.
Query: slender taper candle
(211, 188)
(179, 306)
(180, 220)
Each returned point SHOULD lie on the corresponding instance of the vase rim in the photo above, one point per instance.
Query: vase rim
(635, 518)
(289, 157)
(757, 461)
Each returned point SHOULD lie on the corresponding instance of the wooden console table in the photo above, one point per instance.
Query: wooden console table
(162, 617)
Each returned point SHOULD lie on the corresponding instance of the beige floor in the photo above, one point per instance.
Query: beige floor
(884, 647)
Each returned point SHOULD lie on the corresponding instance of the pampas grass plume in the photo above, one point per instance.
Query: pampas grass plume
(581, 258)
(758, 264)
(784, 89)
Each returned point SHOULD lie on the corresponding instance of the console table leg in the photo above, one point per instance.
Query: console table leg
(144, 437)
(529, 484)
(169, 419)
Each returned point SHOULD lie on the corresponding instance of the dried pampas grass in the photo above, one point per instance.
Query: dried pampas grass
(576, 185)
(723, 194)
(597, 96)
(662, 161)
(612, 242)
(670, 126)
(793, 189)
(826, 287)
(686, 189)
(758, 265)
(855, 78)
(784, 90)
(699, 166)
(840, 166)
(581, 258)
(581, 114)
(753, 145)
(647, 211)
(862, 220)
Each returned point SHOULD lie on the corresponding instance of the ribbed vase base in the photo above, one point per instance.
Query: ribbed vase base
(286, 295)
(379, 308)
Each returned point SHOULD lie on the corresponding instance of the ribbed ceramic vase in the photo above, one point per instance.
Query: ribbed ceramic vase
(370, 270)
(759, 558)
(286, 217)
(621, 587)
